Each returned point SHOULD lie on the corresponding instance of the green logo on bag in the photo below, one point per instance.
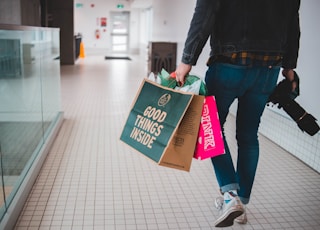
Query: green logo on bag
(164, 99)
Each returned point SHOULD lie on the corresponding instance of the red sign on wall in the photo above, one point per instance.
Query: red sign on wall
(103, 22)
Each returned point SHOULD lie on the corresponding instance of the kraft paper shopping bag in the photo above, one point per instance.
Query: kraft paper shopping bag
(163, 125)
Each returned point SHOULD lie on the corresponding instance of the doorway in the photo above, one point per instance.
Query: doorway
(120, 32)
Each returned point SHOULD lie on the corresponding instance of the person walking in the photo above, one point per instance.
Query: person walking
(250, 40)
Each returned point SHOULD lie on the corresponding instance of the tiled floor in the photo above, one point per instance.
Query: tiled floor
(91, 180)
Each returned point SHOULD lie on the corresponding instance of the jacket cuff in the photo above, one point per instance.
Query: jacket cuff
(289, 65)
(188, 59)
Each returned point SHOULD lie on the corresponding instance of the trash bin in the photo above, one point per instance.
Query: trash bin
(77, 39)
(162, 55)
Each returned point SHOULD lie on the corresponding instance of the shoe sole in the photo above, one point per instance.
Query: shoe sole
(227, 219)
(241, 221)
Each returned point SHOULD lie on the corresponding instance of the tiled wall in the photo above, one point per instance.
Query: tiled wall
(282, 130)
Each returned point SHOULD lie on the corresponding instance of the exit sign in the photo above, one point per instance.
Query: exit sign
(79, 5)
(120, 6)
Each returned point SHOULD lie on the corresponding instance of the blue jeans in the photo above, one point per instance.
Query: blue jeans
(252, 86)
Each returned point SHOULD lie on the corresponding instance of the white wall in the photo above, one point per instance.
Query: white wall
(86, 21)
(134, 30)
(171, 19)
(308, 62)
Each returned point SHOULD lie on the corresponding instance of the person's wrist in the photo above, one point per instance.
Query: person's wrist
(288, 74)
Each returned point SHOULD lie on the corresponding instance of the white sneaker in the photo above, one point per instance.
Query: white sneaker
(242, 219)
(229, 211)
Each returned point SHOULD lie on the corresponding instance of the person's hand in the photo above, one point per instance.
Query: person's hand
(181, 73)
(289, 75)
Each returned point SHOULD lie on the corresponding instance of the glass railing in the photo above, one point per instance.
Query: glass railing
(29, 102)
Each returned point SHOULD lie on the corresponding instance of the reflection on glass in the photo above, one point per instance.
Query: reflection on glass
(29, 101)
(119, 43)
(120, 27)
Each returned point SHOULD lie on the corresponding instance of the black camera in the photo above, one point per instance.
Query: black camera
(284, 97)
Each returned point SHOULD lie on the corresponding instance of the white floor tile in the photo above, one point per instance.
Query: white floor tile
(91, 180)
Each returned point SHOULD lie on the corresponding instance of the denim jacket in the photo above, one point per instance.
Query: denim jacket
(245, 25)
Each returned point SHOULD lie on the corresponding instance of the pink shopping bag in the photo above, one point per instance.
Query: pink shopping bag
(210, 141)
